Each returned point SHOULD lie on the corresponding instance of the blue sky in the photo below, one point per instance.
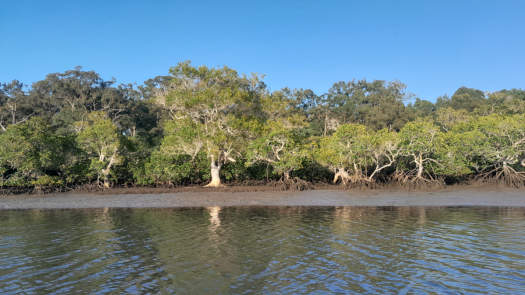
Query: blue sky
(432, 46)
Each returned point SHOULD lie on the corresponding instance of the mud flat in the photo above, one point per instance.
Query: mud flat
(478, 196)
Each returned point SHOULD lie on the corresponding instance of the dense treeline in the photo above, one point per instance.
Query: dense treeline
(201, 125)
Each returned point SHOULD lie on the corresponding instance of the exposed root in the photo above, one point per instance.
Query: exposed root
(355, 180)
(15, 190)
(214, 185)
(358, 182)
(504, 174)
(293, 184)
(400, 177)
(363, 184)
(410, 180)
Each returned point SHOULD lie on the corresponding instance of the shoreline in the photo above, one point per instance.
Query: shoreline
(163, 198)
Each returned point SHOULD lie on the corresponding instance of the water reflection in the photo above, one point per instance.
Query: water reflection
(215, 221)
(263, 250)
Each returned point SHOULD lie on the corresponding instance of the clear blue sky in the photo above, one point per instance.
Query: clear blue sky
(432, 46)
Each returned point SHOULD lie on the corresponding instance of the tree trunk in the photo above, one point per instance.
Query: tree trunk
(377, 170)
(105, 172)
(286, 175)
(215, 176)
(106, 182)
(419, 163)
(341, 173)
(336, 176)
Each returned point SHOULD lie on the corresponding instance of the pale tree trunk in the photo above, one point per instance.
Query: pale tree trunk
(215, 220)
(357, 172)
(105, 172)
(336, 176)
(343, 174)
(286, 175)
(377, 170)
(106, 182)
(419, 163)
(215, 175)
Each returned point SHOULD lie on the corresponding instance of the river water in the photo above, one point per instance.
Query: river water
(281, 250)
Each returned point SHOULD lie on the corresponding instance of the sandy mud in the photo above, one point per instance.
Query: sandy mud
(480, 196)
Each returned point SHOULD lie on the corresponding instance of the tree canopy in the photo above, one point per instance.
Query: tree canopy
(210, 125)
(213, 110)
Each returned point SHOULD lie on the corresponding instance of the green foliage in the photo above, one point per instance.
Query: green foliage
(448, 117)
(456, 154)
(168, 169)
(376, 104)
(505, 102)
(213, 110)
(497, 141)
(279, 142)
(74, 127)
(421, 108)
(281, 148)
(420, 141)
(31, 154)
(464, 98)
(355, 149)
(98, 137)
(345, 152)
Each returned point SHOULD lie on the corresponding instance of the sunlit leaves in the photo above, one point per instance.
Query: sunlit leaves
(99, 137)
(29, 150)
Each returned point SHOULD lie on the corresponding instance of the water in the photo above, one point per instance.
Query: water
(375, 250)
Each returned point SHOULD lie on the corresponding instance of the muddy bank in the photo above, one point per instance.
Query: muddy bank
(475, 196)
(251, 187)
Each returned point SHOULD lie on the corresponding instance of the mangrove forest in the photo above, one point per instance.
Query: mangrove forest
(202, 125)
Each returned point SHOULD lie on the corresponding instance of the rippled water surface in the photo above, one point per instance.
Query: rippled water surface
(264, 250)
